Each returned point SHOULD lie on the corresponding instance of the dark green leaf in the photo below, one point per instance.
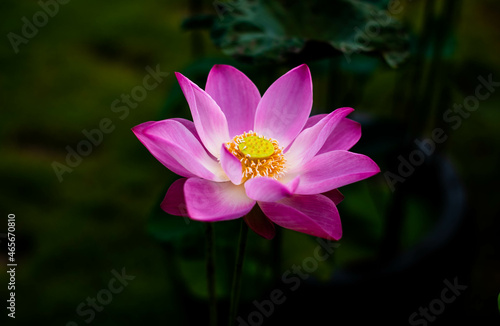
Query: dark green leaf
(275, 31)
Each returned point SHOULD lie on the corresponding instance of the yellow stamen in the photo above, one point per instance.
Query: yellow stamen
(259, 156)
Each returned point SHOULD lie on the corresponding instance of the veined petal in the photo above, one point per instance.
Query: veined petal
(170, 140)
(345, 135)
(314, 214)
(231, 165)
(283, 110)
(159, 152)
(333, 170)
(270, 190)
(236, 95)
(174, 202)
(335, 195)
(189, 126)
(215, 201)
(312, 139)
(209, 120)
(314, 119)
(260, 224)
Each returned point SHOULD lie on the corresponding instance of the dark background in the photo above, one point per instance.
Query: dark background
(399, 246)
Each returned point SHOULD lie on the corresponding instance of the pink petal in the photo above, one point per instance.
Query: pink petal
(174, 202)
(159, 152)
(335, 195)
(314, 214)
(314, 119)
(283, 110)
(189, 126)
(236, 95)
(215, 201)
(269, 190)
(260, 224)
(231, 165)
(345, 135)
(334, 169)
(312, 139)
(178, 149)
(209, 120)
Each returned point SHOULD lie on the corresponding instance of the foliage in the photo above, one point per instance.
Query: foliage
(262, 32)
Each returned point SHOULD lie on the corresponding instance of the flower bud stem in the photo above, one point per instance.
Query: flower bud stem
(236, 287)
(211, 274)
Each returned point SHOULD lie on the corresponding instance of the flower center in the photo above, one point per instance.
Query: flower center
(256, 147)
(259, 156)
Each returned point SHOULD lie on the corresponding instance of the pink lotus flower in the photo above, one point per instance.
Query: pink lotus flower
(244, 150)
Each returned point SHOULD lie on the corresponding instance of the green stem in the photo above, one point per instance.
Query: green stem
(211, 274)
(236, 287)
(276, 254)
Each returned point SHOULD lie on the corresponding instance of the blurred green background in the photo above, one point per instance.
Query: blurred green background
(104, 215)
